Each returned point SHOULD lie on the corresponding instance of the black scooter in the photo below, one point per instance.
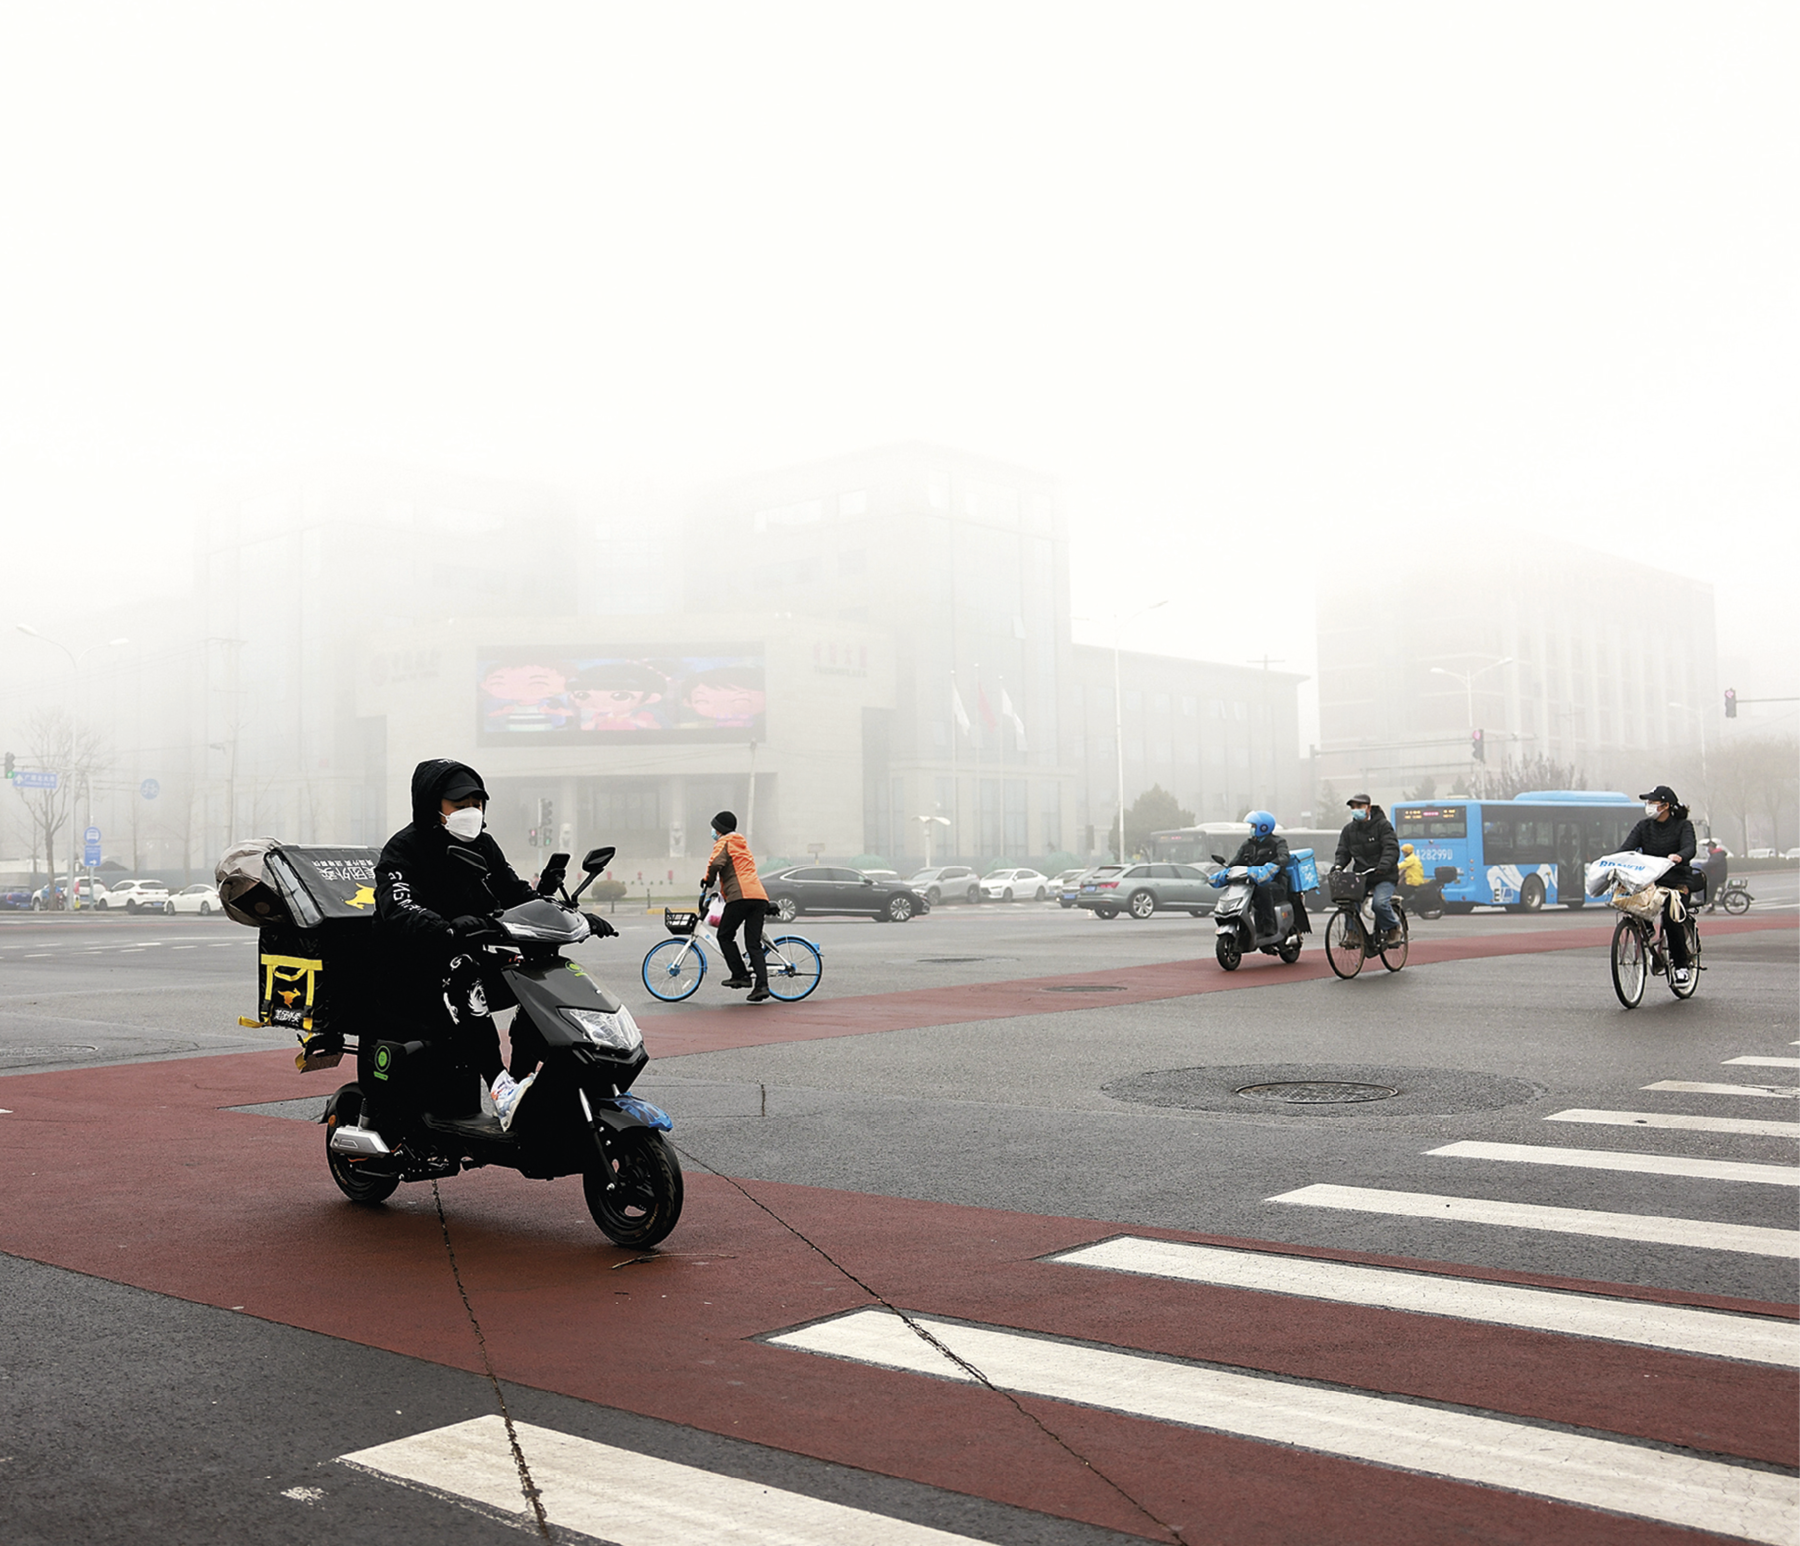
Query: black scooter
(415, 1112)
(1427, 899)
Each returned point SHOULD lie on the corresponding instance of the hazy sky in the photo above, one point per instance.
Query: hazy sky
(1256, 280)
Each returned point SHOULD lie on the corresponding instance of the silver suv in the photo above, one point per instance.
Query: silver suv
(1144, 889)
(947, 883)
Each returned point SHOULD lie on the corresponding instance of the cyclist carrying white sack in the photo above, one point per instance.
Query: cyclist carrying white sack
(1666, 833)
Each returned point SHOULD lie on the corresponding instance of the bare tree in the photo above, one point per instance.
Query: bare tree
(1757, 777)
(56, 742)
(1537, 772)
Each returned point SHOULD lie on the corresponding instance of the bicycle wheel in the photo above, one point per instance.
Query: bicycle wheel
(1735, 902)
(1393, 957)
(1344, 943)
(795, 967)
(673, 969)
(1630, 963)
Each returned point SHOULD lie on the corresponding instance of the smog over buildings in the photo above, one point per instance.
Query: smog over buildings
(911, 429)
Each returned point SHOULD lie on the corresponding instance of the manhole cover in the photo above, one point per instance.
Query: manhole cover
(1317, 1092)
(1086, 987)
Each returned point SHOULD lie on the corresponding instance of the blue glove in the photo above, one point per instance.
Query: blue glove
(1262, 872)
(1216, 879)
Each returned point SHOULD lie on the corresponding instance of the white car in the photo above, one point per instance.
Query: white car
(1760, 853)
(137, 895)
(1014, 885)
(200, 898)
(1790, 853)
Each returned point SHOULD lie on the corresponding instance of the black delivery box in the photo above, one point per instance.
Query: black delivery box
(314, 910)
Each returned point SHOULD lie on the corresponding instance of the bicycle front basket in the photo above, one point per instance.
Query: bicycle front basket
(680, 922)
(1346, 887)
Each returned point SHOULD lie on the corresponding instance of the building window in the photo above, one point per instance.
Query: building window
(1134, 702)
(1050, 835)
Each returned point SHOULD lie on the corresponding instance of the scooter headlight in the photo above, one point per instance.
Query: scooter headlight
(614, 1030)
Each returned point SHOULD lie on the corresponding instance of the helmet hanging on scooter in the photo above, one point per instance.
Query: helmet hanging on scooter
(1262, 824)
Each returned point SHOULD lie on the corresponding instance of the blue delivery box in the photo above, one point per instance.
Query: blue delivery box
(1302, 873)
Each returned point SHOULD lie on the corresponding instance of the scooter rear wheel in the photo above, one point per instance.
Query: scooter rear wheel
(354, 1178)
(634, 1190)
(1289, 950)
(1229, 951)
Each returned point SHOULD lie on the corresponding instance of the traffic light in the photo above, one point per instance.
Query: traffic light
(1730, 713)
(1478, 745)
(533, 837)
(547, 821)
(9, 765)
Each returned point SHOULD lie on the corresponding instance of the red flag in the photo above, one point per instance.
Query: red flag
(987, 713)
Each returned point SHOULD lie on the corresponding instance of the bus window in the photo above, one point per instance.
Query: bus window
(1416, 821)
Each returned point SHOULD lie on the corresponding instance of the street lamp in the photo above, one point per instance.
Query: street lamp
(927, 821)
(74, 659)
(1467, 678)
(1119, 623)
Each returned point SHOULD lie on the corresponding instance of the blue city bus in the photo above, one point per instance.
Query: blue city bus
(1522, 853)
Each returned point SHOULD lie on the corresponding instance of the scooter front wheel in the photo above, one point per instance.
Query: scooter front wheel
(634, 1192)
(354, 1178)
(673, 969)
(1229, 951)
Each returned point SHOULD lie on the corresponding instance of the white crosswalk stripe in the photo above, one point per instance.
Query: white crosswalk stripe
(1701, 1234)
(1612, 1159)
(1757, 1062)
(1467, 1446)
(1690, 1087)
(619, 1496)
(1710, 1333)
(1678, 1120)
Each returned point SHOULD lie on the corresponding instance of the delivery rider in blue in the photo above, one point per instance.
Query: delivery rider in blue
(1266, 857)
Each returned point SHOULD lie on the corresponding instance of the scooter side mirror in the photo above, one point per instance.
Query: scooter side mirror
(597, 859)
(1218, 858)
(468, 857)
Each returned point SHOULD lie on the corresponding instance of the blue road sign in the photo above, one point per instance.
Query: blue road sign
(90, 846)
(149, 789)
(25, 778)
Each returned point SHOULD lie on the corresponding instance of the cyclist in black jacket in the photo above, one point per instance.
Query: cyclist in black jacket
(1666, 833)
(1368, 838)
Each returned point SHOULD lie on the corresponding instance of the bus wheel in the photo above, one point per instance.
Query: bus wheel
(1531, 895)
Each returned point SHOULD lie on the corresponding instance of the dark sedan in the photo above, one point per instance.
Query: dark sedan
(817, 888)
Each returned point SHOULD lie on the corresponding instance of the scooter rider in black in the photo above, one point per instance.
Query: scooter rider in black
(435, 909)
(1266, 857)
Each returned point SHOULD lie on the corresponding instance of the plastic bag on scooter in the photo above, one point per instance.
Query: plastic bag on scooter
(1625, 872)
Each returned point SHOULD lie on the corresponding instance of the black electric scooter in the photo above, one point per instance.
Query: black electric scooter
(1426, 900)
(415, 1112)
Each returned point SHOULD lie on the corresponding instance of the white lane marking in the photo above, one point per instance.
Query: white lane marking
(1757, 1062)
(1675, 1119)
(1466, 1446)
(1689, 1087)
(623, 1497)
(35, 955)
(1616, 1159)
(1711, 1333)
(1701, 1234)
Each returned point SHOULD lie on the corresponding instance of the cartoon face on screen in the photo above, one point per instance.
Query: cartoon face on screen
(729, 698)
(525, 698)
(617, 695)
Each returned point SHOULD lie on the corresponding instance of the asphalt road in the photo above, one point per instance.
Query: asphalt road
(197, 1330)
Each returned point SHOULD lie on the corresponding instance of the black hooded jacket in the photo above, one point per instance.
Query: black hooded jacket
(1373, 843)
(419, 888)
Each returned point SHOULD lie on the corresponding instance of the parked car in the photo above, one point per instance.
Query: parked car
(198, 898)
(947, 883)
(1760, 853)
(1014, 886)
(15, 900)
(817, 888)
(137, 895)
(1066, 886)
(1144, 889)
(91, 893)
(1790, 853)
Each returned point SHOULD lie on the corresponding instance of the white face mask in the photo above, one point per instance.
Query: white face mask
(1651, 808)
(465, 824)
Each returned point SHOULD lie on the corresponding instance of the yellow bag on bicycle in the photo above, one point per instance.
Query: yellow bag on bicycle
(1646, 903)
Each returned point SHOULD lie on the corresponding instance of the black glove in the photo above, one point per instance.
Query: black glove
(600, 928)
(470, 930)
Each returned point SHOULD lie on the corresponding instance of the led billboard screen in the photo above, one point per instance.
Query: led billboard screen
(618, 693)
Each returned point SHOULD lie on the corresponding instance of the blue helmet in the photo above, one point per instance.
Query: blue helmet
(1261, 823)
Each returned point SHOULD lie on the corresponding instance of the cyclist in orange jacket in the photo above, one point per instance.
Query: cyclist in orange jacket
(733, 871)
